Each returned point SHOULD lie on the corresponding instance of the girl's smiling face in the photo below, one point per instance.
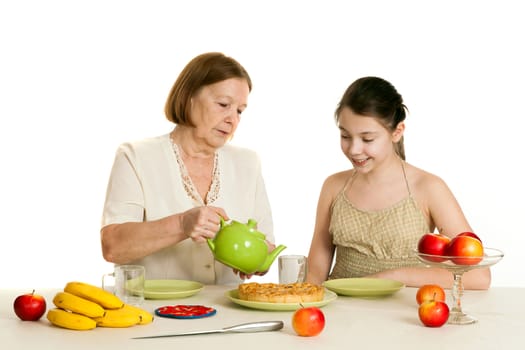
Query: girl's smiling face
(365, 141)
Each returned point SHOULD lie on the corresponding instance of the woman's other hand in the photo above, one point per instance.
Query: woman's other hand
(246, 276)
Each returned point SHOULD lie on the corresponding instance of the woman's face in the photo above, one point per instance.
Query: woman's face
(365, 141)
(216, 110)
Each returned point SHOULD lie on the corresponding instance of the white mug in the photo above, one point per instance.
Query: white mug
(292, 268)
(129, 283)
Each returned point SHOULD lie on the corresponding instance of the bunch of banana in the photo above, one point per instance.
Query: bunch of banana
(95, 294)
(119, 318)
(144, 316)
(70, 320)
(82, 306)
(73, 303)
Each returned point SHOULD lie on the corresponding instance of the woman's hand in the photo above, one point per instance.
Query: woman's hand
(245, 276)
(201, 223)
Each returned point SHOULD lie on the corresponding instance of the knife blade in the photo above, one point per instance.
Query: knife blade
(249, 327)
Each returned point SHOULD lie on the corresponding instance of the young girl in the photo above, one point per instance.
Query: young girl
(371, 217)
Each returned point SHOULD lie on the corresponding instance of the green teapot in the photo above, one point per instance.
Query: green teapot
(242, 247)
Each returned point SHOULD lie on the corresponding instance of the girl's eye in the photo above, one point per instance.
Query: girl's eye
(223, 104)
(368, 140)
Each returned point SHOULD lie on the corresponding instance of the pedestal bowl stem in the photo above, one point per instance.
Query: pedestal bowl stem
(457, 316)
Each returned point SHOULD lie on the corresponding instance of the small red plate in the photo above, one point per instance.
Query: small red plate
(185, 311)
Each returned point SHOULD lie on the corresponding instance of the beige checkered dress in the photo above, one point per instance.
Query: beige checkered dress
(369, 242)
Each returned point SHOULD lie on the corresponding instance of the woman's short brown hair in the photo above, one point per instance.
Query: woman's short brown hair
(205, 69)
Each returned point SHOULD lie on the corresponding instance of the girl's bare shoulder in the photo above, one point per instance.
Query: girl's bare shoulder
(340, 177)
(425, 181)
(335, 182)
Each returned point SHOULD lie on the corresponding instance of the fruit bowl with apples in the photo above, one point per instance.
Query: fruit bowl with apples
(458, 255)
(459, 263)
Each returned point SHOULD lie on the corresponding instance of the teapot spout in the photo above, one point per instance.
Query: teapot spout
(271, 257)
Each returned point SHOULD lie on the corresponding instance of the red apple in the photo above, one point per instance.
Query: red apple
(470, 234)
(429, 292)
(433, 244)
(30, 307)
(433, 313)
(308, 321)
(465, 250)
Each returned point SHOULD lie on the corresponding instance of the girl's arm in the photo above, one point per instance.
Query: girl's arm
(322, 250)
(418, 276)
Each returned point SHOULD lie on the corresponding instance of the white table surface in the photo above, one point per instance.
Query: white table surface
(352, 323)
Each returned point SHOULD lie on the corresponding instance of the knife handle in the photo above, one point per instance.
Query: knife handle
(252, 327)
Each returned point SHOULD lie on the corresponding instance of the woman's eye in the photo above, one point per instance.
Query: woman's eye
(368, 140)
(223, 104)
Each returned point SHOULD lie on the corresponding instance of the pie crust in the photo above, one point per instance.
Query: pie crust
(281, 293)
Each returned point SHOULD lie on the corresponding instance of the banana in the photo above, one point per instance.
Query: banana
(94, 294)
(71, 302)
(118, 318)
(145, 316)
(70, 320)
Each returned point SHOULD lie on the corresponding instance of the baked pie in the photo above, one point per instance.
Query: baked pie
(281, 293)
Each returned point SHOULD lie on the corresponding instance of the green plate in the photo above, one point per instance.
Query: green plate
(363, 287)
(233, 295)
(170, 289)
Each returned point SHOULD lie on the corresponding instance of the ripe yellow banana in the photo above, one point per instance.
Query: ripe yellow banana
(94, 294)
(119, 318)
(145, 316)
(70, 320)
(71, 302)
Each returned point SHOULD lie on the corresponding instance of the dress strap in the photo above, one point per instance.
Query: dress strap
(349, 181)
(406, 180)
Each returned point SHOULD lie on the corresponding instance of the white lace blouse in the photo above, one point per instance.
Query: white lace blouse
(147, 183)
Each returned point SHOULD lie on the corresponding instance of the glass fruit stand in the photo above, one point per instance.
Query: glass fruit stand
(458, 265)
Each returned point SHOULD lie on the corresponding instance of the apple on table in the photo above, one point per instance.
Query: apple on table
(433, 313)
(430, 292)
(433, 310)
(308, 321)
(30, 306)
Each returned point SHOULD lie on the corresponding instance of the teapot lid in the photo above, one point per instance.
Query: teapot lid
(250, 227)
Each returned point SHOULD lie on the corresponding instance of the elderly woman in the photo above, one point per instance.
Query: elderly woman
(166, 194)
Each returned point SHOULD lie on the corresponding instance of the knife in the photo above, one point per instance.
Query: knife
(250, 327)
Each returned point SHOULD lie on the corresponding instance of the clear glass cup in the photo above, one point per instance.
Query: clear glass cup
(129, 283)
(292, 269)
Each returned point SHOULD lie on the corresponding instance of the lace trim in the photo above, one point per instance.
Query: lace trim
(189, 187)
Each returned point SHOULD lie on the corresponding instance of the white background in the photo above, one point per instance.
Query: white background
(77, 78)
